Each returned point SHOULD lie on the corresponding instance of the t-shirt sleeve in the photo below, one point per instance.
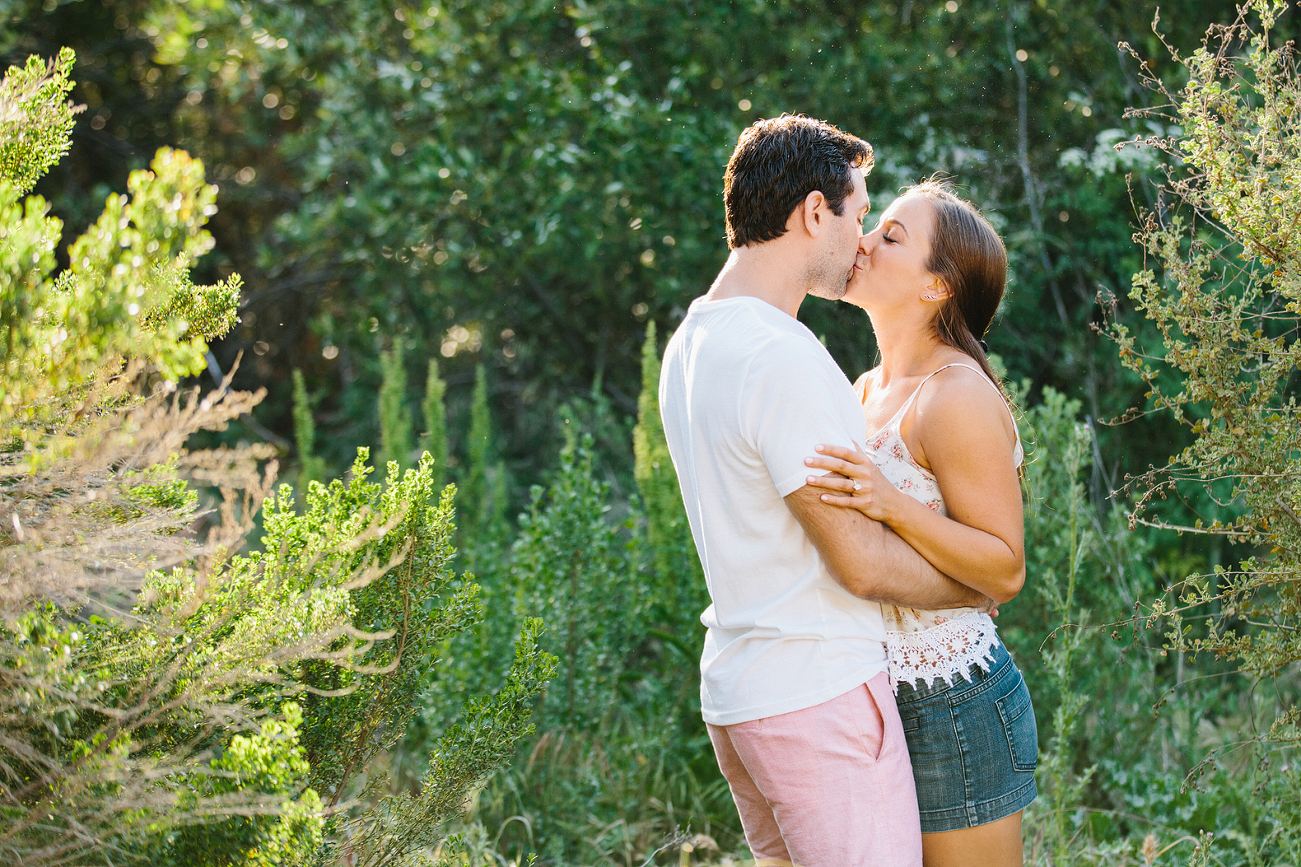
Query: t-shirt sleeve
(793, 403)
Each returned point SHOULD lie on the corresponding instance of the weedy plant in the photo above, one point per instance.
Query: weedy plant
(1225, 291)
(1223, 288)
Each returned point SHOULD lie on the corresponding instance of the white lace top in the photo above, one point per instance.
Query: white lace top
(925, 645)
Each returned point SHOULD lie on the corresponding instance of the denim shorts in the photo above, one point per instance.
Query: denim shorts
(974, 745)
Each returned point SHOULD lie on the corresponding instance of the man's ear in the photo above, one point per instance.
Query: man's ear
(813, 212)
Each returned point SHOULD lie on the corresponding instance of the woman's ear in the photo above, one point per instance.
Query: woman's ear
(938, 290)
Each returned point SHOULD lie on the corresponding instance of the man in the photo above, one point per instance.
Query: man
(793, 682)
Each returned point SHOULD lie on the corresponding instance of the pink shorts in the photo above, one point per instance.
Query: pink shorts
(826, 786)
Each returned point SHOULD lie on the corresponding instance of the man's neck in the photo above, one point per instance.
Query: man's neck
(765, 271)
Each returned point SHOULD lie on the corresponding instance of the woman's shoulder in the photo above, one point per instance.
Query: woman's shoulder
(959, 391)
(958, 368)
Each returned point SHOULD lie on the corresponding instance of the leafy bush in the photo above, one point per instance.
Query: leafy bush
(163, 699)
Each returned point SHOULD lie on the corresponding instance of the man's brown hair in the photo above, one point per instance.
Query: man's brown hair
(776, 164)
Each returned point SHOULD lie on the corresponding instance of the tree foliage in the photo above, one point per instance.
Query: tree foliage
(476, 489)
(35, 120)
(675, 573)
(525, 185)
(310, 467)
(570, 567)
(393, 412)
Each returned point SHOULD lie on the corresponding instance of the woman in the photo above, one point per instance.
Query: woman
(942, 473)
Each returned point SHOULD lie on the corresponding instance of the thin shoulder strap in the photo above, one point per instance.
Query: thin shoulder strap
(991, 385)
(860, 386)
(1016, 431)
(916, 391)
(1018, 451)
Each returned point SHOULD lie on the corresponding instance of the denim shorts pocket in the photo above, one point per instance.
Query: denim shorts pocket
(1019, 724)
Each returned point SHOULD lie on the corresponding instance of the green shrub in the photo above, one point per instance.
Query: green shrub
(394, 415)
(434, 412)
(310, 467)
(163, 699)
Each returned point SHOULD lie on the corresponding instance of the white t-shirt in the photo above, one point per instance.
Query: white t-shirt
(746, 392)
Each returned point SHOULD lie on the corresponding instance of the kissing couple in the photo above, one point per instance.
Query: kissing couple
(854, 537)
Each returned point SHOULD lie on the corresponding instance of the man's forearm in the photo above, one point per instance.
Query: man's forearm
(903, 577)
(871, 561)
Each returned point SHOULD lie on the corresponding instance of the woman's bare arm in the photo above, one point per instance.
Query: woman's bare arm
(962, 431)
(871, 561)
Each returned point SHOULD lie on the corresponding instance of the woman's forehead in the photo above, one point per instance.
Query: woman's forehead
(909, 209)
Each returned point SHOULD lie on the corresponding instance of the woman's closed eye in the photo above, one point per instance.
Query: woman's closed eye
(886, 237)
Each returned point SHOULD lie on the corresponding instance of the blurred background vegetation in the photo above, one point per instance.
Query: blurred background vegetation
(468, 226)
(524, 185)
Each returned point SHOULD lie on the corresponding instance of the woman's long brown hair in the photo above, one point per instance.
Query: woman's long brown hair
(968, 255)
